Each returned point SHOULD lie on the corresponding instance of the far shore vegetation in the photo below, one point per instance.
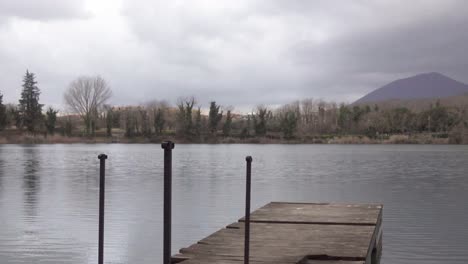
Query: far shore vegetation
(89, 118)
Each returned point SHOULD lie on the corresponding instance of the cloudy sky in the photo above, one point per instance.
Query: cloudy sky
(239, 52)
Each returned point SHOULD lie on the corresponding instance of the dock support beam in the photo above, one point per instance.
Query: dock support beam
(102, 185)
(168, 146)
(248, 159)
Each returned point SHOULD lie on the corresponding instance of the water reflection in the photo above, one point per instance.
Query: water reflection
(1, 172)
(31, 181)
(49, 196)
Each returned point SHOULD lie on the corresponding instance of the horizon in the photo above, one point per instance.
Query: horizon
(241, 54)
(245, 111)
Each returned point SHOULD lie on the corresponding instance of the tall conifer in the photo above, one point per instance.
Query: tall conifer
(30, 110)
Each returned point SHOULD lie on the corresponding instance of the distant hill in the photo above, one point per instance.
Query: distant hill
(421, 86)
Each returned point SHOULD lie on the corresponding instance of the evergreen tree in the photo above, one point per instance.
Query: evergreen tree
(116, 118)
(15, 118)
(51, 120)
(288, 123)
(260, 120)
(68, 127)
(184, 116)
(159, 121)
(357, 114)
(30, 110)
(344, 116)
(368, 109)
(145, 126)
(214, 117)
(129, 125)
(227, 124)
(109, 121)
(198, 122)
(246, 130)
(3, 114)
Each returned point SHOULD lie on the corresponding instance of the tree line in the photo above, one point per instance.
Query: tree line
(90, 115)
(303, 120)
(28, 114)
(85, 97)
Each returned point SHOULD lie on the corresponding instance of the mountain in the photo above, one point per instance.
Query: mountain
(421, 86)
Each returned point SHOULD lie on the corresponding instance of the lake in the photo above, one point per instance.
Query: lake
(49, 196)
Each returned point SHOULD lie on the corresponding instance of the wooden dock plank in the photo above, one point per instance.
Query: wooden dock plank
(295, 233)
(278, 212)
(333, 262)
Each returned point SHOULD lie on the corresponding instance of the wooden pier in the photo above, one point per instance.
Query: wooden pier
(296, 233)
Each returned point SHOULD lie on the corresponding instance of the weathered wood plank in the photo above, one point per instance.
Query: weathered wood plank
(333, 262)
(295, 233)
(314, 213)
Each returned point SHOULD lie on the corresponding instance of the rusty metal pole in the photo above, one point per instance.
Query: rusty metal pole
(247, 210)
(102, 184)
(168, 146)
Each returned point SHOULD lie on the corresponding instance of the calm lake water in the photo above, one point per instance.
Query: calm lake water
(49, 196)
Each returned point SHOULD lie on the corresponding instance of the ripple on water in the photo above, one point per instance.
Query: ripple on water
(48, 196)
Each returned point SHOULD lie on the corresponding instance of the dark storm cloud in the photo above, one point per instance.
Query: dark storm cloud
(431, 43)
(239, 53)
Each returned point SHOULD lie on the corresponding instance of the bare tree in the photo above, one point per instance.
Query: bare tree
(308, 109)
(86, 96)
(289, 116)
(184, 115)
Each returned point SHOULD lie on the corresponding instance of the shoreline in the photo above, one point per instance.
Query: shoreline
(418, 139)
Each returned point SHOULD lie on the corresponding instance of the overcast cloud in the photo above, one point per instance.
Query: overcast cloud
(239, 53)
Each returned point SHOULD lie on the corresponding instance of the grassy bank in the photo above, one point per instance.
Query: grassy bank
(342, 139)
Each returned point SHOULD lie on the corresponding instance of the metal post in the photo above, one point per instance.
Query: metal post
(247, 210)
(168, 146)
(102, 184)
